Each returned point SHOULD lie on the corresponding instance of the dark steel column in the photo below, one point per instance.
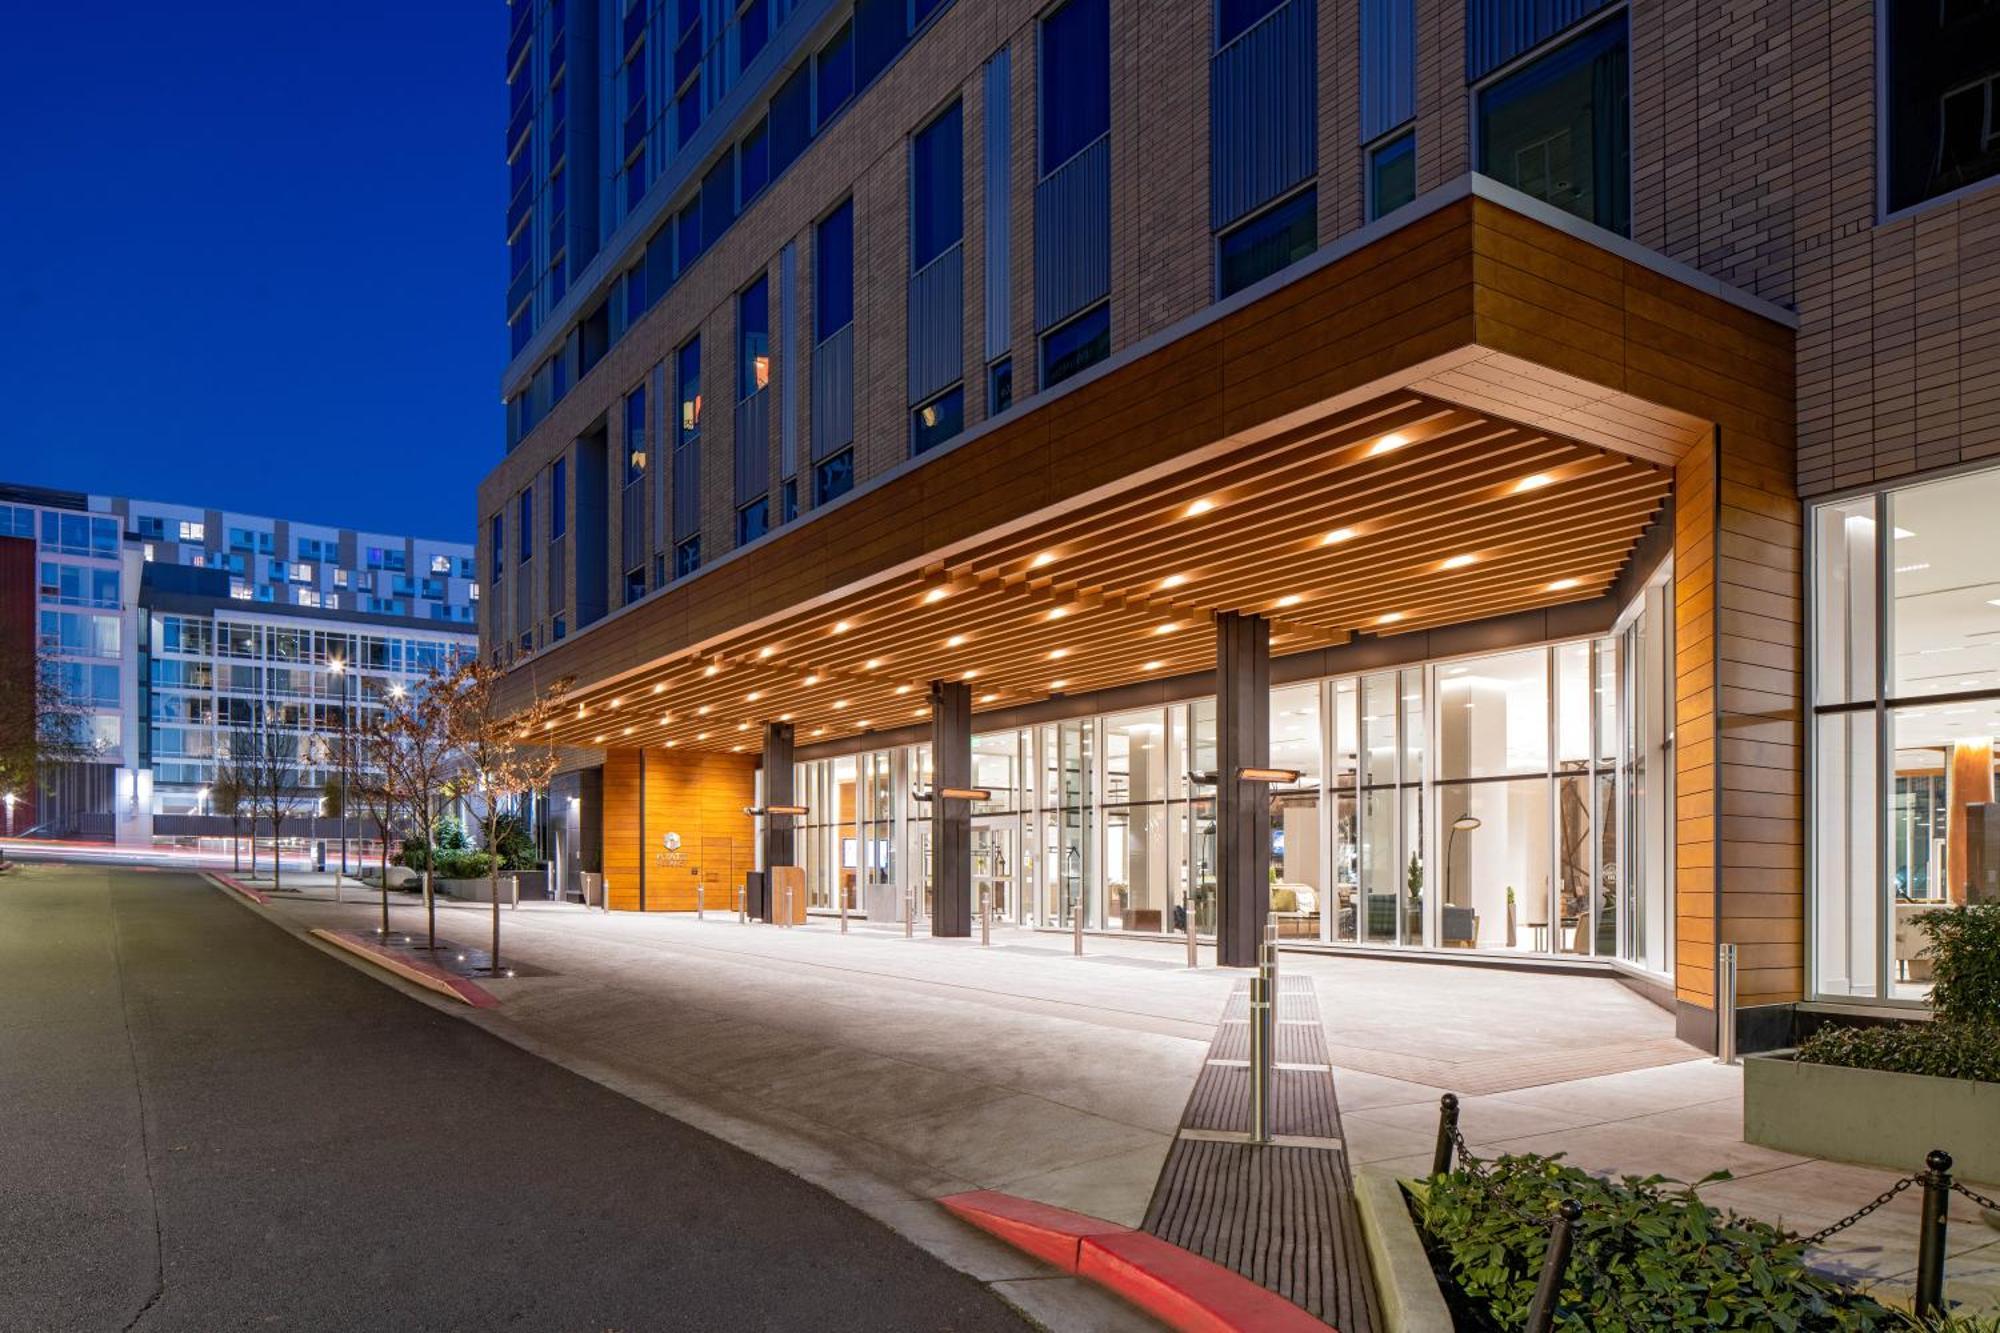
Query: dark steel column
(951, 821)
(779, 789)
(1242, 809)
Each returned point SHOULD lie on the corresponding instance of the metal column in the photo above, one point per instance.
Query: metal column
(1242, 809)
(951, 821)
(779, 789)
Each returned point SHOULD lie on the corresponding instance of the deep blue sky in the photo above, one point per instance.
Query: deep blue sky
(253, 255)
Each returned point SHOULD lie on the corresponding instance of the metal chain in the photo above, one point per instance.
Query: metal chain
(1977, 1198)
(1824, 1233)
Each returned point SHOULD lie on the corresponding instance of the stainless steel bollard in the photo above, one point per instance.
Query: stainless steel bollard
(843, 911)
(788, 905)
(742, 906)
(700, 900)
(1076, 927)
(910, 913)
(1194, 954)
(1725, 1004)
(985, 915)
(1261, 1059)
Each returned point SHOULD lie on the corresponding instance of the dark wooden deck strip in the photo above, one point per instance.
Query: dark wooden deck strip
(1281, 1216)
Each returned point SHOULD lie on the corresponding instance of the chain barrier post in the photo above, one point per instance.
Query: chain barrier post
(1725, 1004)
(1931, 1234)
(1562, 1235)
(1261, 1029)
(985, 915)
(700, 900)
(788, 904)
(843, 911)
(1187, 911)
(910, 912)
(742, 906)
(1447, 1132)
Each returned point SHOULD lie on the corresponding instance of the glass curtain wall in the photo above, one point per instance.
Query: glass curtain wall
(1906, 707)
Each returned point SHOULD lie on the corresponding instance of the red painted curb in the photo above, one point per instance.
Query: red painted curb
(244, 889)
(1180, 1289)
(1054, 1235)
(413, 969)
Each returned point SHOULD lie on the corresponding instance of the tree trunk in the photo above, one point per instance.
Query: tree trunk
(236, 846)
(493, 892)
(430, 910)
(385, 879)
(277, 857)
(253, 847)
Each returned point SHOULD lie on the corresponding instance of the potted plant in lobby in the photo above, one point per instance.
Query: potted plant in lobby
(1887, 1094)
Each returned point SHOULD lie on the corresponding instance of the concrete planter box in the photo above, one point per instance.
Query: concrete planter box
(474, 890)
(1870, 1116)
(1405, 1285)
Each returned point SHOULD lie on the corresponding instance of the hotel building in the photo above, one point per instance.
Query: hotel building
(1409, 468)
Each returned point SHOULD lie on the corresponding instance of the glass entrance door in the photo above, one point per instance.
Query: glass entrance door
(996, 865)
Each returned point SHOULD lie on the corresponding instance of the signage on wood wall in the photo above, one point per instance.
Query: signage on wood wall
(670, 850)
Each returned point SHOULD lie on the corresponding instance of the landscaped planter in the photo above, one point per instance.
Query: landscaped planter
(474, 890)
(1868, 1115)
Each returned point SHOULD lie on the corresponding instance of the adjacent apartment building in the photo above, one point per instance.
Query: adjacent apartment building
(171, 625)
(1454, 476)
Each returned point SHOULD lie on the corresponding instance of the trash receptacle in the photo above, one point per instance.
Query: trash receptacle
(593, 889)
(319, 857)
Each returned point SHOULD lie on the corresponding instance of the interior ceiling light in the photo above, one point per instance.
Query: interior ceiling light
(968, 675)
(840, 703)
(902, 689)
(1388, 444)
(871, 664)
(701, 735)
(1533, 483)
(1058, 612)
(1564, 585)
(702, 711)
(1337, 536)
(840, 627)
(1153, 665)
(1057, 684)
(1290, 599)
(1199, 507)
(743, 726)
(597, 739)
(863, 723)
(812, 680)
(579, 710)
(753, 696)
(1173, 580)
(626, 732)
(988, 698)
(955, 641)
(784, 717)
(661, 688)
(766, 650)
(1458, 561)
(712, 670)
(1167, 628)
(819, 731)
(936, 595)
(549, 725)
(1388, 617)
(1043, 561)
(672, 744)
(619, 700)
(1058, 654)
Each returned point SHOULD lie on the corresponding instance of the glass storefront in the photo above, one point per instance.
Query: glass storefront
(1906, 708)
(1518, 802)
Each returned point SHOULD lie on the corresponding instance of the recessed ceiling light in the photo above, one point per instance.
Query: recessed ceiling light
(619, 700)
(1388, 443)
(660, 688)
(671, 744)
(701, 735)
(1533, 483)
(1167, 628)
(1199, 507)
(968, 675)
(753, 696)
(548, 726)
(871, 664)
(1058, 654)
(766, 650)
(626, 732)
(1564, 585)
(712, 670)
(840, 627)
(1173, 580)
(666, 719)
(1057, 684)
(784, 717)
(1337, 536)
(1153, 665)
(597, 740)
(919, 710)
(1388, 617)
(902, 689)
(743, 726)
(812, 680)
(1457, 561)
(1058, 612)
(1042, 561)
(1290, 599)
(840, 703)
(936, 595)
(702, 711)
(819, 731)
(862, 722)
(735, 749)
(955, 641)
(988, 698)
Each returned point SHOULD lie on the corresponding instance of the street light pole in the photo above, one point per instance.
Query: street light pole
(339, 668)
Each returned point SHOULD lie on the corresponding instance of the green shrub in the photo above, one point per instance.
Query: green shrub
(517, 849)
(1649, 1255)
(451, 834)
(464, 865)
(1939, 1048)
(1964, 951)
(414, 855)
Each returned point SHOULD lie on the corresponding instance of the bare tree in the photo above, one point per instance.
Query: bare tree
(501, 757)
(276, 760)
(42, 725)
(225, 797)
(373, 789)
(419, 756)
(240, 744)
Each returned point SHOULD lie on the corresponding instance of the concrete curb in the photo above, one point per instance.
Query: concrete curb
(427, 975)
(1404, 1281)
(1178, 1287)
(217, 877)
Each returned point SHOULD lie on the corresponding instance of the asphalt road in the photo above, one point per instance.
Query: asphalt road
(207, 1124)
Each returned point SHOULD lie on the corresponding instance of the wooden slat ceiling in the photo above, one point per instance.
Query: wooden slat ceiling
(1399, 514)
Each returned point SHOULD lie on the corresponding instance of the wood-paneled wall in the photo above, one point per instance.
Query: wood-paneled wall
(701, 797)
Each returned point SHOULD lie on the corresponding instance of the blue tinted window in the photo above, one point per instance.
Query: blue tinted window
(659, 265)
(753, 521)
(835, 70)
(833, 273)
(635, 435)
(1266, 243)
(718, 200)
(687, 236)
(753, 338)
(1076, 79)
(791, 119)
(880, 27)
(1392, 176)
(937, 421)
(687, 557)
(1235, 17)
(753, 158)
(687, 375)
(496, 543)
(687, 111)
(1000, 387)
(755, 30)
(921, 10)
(937, 188)
(526, 526)
(1557, 128)
(1077, 345)
(558, 499)
(833, 478)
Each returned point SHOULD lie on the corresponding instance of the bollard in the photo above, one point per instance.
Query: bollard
(1562, 1235)
(1076, 926)
(1931, 1234)
(1269, 961)
(1194, 955)
(1725, 1004)
(1261, 1072)
(700, 900)
(985, 915)
(788, 904)
(910, 913)
(742, 906)
(843, 911)
(1447, 1134)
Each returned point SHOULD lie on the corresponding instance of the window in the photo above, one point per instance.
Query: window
(833, 69)
(1000, 387)
(1942, 95)
(635, 584)
(1392, 175)
(440, 564)
(192, 532)
(558, 499)
(718, 200)
(937, 187)
(558, 629)
(753, 521)
(791, 119)
(833, 478)
(833, 273)
(753, 338)
(791, 492)
(687, 557)
(1076, 346)
(1281, 235)
(754, 30)
(635, 435)
(1557, 129)
(937, 421)
(753, 161)
(687, 376)
(1233, 18)
(1076, 80)
(525, 528)
(496, 547)
(687, 236)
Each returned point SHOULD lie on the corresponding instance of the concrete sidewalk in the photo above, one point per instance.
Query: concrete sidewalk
(890, 1071)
